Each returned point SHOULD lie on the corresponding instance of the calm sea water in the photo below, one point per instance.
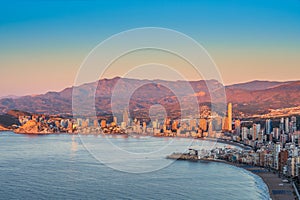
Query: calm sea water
(60, 167)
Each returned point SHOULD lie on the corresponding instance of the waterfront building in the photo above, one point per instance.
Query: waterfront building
(64, 123)
(85, 123)
(262, 157)
(125, 117)
(210, 129)
(103, 123)
(282, 159)
(154, 124)
(144, 127)
(79, 122)
(70, 127)
(96, 123)
(229, 115)
(203, 124)
(123, 125)
(115, 120)
(174, 125)
(276, 151)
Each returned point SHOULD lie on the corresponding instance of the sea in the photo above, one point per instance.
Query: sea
(63, 166)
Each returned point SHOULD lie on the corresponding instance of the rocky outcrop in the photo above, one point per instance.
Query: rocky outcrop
(29, 127)
(32, 127)
(3, 128)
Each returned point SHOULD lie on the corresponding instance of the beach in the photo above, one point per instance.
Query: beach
(278, 190)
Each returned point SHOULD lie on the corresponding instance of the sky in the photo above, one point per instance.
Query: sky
(43, 43)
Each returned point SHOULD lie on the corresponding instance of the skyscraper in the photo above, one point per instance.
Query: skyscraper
(268, 126)
(225, 123)
(115, 119)
(125, 117)
(286, 125)
(237, 126)
(254, 133)
(203, 124)
(294, 124)
(281, 124)
(229, 110)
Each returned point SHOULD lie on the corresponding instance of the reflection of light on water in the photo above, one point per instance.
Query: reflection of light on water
(74, 145)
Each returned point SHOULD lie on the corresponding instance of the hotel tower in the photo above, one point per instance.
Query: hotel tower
(229, 110)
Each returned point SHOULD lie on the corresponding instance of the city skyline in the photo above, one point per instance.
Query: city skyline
(42, 46)
(100, 99)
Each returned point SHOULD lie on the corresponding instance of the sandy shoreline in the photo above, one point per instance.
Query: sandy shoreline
(277, 189)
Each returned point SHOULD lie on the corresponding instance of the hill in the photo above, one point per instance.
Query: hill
(248, 98)
(258, 85)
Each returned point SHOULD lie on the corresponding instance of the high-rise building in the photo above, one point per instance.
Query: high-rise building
(276, 132)
(193, 123)
(282, 159)
(217, 123)
(245, 132)
(225, 124)
(268, 126)
(210, 128)
(96, 123)
(237, 126)
(123, 125)
(115, 119)
(103, 123)
(174, 125)
(281, 124)
(256, 130)
(229, 115)
(251, 132)
(286, 125)
(125, 117)
(203, 124)
(144, 127)
(276, 151)
(294, 123)
(260, 136)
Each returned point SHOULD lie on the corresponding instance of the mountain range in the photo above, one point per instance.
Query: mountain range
(256, 97)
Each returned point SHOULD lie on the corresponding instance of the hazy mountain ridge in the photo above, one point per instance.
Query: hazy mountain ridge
(257, 99)
(9, 97)
(258, 85)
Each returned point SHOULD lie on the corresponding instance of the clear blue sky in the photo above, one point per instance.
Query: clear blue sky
(42, 41)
